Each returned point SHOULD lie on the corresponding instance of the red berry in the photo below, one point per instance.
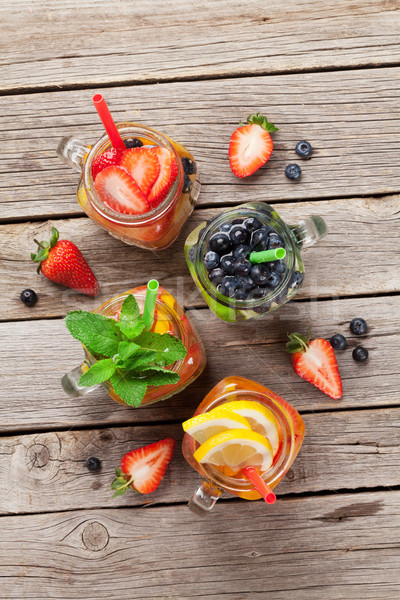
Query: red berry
(120, 192)
(109, 158)
(166, 176)
(143, 166)
(250, 146)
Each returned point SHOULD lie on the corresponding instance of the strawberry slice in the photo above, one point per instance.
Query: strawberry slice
(143, 166)
(251, 145)
(143, 469)
(109, 158)
(120, 192)
(315, 362)
(166, 176)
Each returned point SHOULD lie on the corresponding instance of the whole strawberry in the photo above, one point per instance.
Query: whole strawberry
(62, 262)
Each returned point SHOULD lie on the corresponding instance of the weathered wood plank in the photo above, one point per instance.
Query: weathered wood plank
(36, 354)
(69, 43)
(47, 472)
(331, 547)
(351, 118)
(360, 255)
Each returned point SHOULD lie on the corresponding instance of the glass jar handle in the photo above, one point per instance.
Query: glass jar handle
(72, 151)
(309, 231)
(204, 498)
(70, 383)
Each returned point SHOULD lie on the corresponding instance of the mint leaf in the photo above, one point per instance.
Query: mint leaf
(157, 376)
(126, 349)
(130, 322)
(142, 357)
(96, 332)
(129, 387)
(169, 348)
(99, 372)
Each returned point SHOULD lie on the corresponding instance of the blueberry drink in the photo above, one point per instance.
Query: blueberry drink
(247, 262)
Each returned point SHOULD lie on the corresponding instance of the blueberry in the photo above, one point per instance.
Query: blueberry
(278, 266)
(274, 280)
(241, 294)
(228, 286)
(274, 241)
(216, 276)
(245, 282)
(358, 326)
(239, 235)
(242, 266)
(293, 172)
(303, 149)
(226, 227)
(338, 341)
(211, 260)
(257, 293)
(187, 183)
(360, 354)
(252, 223)
(133, 143)
(28, 297)
(260, 274)
(296, 280)
(220, 243)
(259, 239)
(93, 463)
(241, 251)
(227, 264)
(237, 221)
(189, 167)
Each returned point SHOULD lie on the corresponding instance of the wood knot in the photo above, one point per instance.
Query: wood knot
(290, 475)
(38, 456)
(95, 536)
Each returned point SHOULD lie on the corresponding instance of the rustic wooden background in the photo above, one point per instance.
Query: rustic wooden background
(328, 72)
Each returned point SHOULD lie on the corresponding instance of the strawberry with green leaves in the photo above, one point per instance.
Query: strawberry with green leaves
(128, 357)
(315, 361)
(62, 262)
(251, 145)
(143, 469)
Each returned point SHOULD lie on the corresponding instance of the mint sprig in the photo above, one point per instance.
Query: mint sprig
(128, 358)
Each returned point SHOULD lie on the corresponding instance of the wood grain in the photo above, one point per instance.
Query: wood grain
(331, 547)
(352, 120)
(36, 354)
(46, 472)
(96, 42)
(360, 255)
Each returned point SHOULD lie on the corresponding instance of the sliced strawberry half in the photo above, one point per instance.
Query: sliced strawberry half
(109, 158)
(142, 164)
(251, 145)
(120, 192)
(166, 176)
(315, 362)
(143, 469)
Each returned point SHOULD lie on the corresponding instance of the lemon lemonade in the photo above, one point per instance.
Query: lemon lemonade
(239, 424)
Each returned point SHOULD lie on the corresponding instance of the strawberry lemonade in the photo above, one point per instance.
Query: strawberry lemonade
(240, 424)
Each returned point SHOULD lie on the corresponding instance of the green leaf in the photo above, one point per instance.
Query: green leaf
(99, 372)
(121, 483)
(126, 349)
(96, 332)
(130, 322)
(169, 348)
(157, 376)
(129, 387)
(142, 357)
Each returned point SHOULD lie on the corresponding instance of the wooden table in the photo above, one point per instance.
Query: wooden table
(324, 71)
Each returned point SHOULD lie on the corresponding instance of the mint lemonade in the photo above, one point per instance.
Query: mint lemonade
(140, 346)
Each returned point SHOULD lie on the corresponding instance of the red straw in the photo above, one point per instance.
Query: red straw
(108, 122)
(262, 488)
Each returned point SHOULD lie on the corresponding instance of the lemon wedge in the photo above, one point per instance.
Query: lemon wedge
(261, 418)
(204, 426)
(236, 448)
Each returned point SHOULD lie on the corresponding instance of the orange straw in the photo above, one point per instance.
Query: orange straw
(108, 122)
(262, 488)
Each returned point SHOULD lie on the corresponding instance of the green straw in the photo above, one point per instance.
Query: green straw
(268, 255)
(150, 304)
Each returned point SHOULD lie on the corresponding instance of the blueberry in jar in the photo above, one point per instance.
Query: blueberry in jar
(133, 143)
(237, 221)
(211, 260)
(278, 266)
(188, 165)
(242, 266)
(260, 274)
(296, 280)
(252, 223)
(227, 264)
(239, 235)
(187, 184)
(225, 227)
(273, 280)
(241, 294)
(228, 286)
(220, 243)
(245, 282)
(216, 276)
(259, 240)
(274, 241)
(241, 251)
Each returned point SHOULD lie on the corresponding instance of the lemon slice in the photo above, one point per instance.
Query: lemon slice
(204, 426)
(261, 419)
(236, 448)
